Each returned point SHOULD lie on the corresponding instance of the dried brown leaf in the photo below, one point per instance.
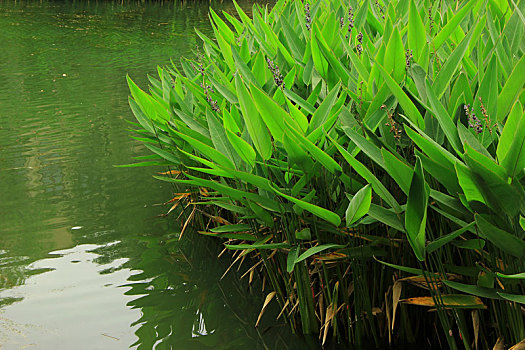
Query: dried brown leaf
(269, 298)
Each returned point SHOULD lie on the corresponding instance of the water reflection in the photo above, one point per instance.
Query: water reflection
(65, 295)
(73, 274)
(186, 305)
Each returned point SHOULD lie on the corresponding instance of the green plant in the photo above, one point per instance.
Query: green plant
(403, 118)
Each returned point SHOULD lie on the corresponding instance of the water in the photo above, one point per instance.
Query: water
(85, 261)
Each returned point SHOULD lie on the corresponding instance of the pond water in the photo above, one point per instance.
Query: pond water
(85, 260)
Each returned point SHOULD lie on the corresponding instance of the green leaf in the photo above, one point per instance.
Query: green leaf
(398, 170)
(164, 154)
(359, 205)
(451, 64)
(444, 120)
(229, 235)
(514, 159)
(362, 170)
(504, 240)
(304, 234)
(468, 184)
(291, 258)
(441, 241)
(519, 276)
(209, 152)
(451, 25)
(243, 148)
(492, 181)
(231, 228)
(323, 213)
(513, 297)
(395, 56)
(416, 32)
(407, 269)
(254, 123)
(318, 154)
(272, 114)
(315, 250)
(483, 292)
(409, 108)
(257, 246)
(509, 130)
(386, 216)
(323, 111)
(416, 212)
(470, 244)
(218, 136)
(151, 107)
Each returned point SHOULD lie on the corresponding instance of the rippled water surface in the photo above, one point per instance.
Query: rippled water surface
(85, 261)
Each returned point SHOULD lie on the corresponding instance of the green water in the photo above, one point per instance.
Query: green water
(85, 261)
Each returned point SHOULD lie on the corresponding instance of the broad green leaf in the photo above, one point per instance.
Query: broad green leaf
(231, 228)
(359, 205)
(143, 120)
(416, 212)
(323, 213)
(314, 250)
(398, 170)
(271, 113)
(468, 185)
(441, 241)
(394, 62)
(297, 115)
(318, 154)
(291, 258)
(372, 151)
(451, 64)
(228, 235)
(362, 170)
(164, 154)
(492, 181)
(296, 154)
(504, 240)
(445, 121)
(243, 148)
(387, 217)
(470, 244)
(509, 130)
(409, 108)
(468, 138)
(514, 159)
(257, 246)
(209, 152)
(243, 69)
(218, 136)
(451, 25)
(304, 234)
(483, 292)
(151, 107)
(254, 123)
(320, 63)
(411, 270)
(519, 276)
(416, 32)
(513, 297)
(323, 111)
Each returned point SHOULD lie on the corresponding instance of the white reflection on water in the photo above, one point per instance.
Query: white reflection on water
(72, 306)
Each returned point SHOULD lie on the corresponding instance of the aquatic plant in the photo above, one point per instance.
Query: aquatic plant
(346, 160)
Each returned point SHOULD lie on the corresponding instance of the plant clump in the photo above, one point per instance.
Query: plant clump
(368, 172)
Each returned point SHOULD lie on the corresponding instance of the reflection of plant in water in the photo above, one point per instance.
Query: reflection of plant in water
(186, 305)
